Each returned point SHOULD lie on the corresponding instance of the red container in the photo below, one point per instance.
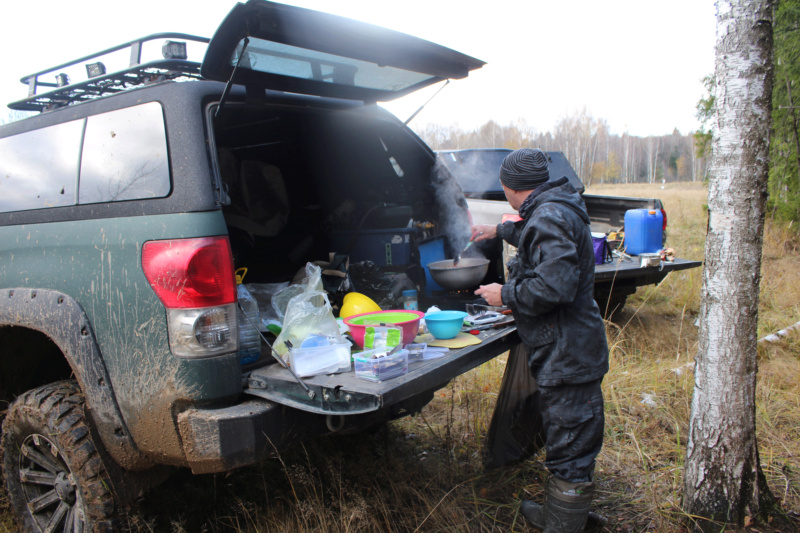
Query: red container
(406, 319)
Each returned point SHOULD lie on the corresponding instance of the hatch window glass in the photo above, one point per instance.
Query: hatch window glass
(39, 168)
(125, 156)
(285, 60)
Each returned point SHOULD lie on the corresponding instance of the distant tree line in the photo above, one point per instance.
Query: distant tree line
(784, 170)
(784, 151)
(600, 156)
(597, 155)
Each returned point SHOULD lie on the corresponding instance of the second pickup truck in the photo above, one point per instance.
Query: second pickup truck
(476, 170)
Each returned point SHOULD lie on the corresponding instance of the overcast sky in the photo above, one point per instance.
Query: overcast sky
(636, 63)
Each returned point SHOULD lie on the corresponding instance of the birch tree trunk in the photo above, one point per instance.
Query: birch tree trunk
(723, 481)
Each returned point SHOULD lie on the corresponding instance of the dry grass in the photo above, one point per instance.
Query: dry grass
(425, 473)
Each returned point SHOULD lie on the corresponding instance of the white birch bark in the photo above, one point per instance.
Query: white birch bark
(723, 479)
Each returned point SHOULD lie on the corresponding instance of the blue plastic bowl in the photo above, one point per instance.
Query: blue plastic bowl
(445, 324)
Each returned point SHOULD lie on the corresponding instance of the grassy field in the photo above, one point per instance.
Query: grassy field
(425, 473)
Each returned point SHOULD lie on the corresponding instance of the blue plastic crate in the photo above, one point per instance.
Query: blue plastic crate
(384, 247)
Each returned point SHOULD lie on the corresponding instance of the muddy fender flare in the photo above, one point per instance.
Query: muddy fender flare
(62, 319)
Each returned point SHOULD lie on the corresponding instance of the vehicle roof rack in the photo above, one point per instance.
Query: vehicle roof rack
(174, 65)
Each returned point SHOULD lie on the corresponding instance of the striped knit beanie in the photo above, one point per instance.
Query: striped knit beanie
(524, 169)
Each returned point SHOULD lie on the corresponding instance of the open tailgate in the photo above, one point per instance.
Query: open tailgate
(346, 394)
(620, 269)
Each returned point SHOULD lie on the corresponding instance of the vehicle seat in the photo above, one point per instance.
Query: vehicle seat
(259, 201)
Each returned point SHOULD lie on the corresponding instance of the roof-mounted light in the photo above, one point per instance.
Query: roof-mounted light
(95, 69)
(174, 50)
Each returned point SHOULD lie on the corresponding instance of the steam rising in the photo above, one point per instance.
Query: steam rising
(476, 170)
(452, 207)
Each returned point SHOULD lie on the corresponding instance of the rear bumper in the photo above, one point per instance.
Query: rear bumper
(225, 438)
(222, 439)
(216, 440)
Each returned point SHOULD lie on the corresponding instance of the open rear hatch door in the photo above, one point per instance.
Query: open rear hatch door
(347, 394)
(298, 50)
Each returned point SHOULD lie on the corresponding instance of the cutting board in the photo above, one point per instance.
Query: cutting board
(462, 340)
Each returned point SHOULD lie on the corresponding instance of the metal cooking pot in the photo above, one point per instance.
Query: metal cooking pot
(467, 274)
(649, 260)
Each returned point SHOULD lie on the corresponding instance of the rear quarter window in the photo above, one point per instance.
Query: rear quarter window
(124, 157)
(40, 168)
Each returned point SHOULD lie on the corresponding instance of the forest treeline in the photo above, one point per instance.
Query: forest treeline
(784, 165)
(597, 155)
(600, 156)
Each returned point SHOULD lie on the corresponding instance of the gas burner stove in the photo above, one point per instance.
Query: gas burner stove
(455, 300)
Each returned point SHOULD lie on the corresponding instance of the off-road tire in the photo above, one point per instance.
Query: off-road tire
(55, 478)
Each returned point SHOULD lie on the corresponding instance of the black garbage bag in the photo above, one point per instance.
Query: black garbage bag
(368, 279)
(516, 431)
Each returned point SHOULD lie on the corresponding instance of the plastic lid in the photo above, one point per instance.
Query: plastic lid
(411, 292)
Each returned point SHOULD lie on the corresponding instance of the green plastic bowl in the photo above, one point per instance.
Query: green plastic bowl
(406, 320)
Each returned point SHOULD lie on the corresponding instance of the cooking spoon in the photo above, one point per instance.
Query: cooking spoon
(458, 257)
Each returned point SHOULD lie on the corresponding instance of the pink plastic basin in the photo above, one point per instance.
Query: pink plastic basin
(406, 320)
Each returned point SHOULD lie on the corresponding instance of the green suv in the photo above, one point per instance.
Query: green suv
(129, 200)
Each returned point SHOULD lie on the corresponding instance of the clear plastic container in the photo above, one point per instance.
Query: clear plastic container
(309, 361)
(249, 337)
(416, 351)
(380, 368)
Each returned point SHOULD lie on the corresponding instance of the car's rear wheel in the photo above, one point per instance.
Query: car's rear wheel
(54, 475)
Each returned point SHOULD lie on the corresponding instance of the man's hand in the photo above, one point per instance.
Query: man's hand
(481, 232)
(491, 293)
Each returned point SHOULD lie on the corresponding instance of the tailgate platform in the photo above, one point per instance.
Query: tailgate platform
(630, 268)
(346, 394)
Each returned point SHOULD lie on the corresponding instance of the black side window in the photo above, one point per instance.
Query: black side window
(125, 156)
(40, 168)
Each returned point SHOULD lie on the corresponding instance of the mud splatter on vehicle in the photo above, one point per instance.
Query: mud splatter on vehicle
(128, 201)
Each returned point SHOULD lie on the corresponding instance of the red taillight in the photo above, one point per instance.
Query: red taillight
(664, 217)
(190, 273)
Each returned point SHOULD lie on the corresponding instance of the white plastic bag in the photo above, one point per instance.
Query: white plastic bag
(311, 282)
(307, 314)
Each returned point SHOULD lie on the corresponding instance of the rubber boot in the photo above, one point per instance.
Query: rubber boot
(533, 513)
(568, 505)
(566, 509)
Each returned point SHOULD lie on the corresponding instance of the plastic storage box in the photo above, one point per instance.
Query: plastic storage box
(316, 360)
(416, 351)
(643, 231)
(384, 247)
(381, 368)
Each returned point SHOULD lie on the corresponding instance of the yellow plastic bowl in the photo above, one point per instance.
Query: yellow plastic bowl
(355, 303)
